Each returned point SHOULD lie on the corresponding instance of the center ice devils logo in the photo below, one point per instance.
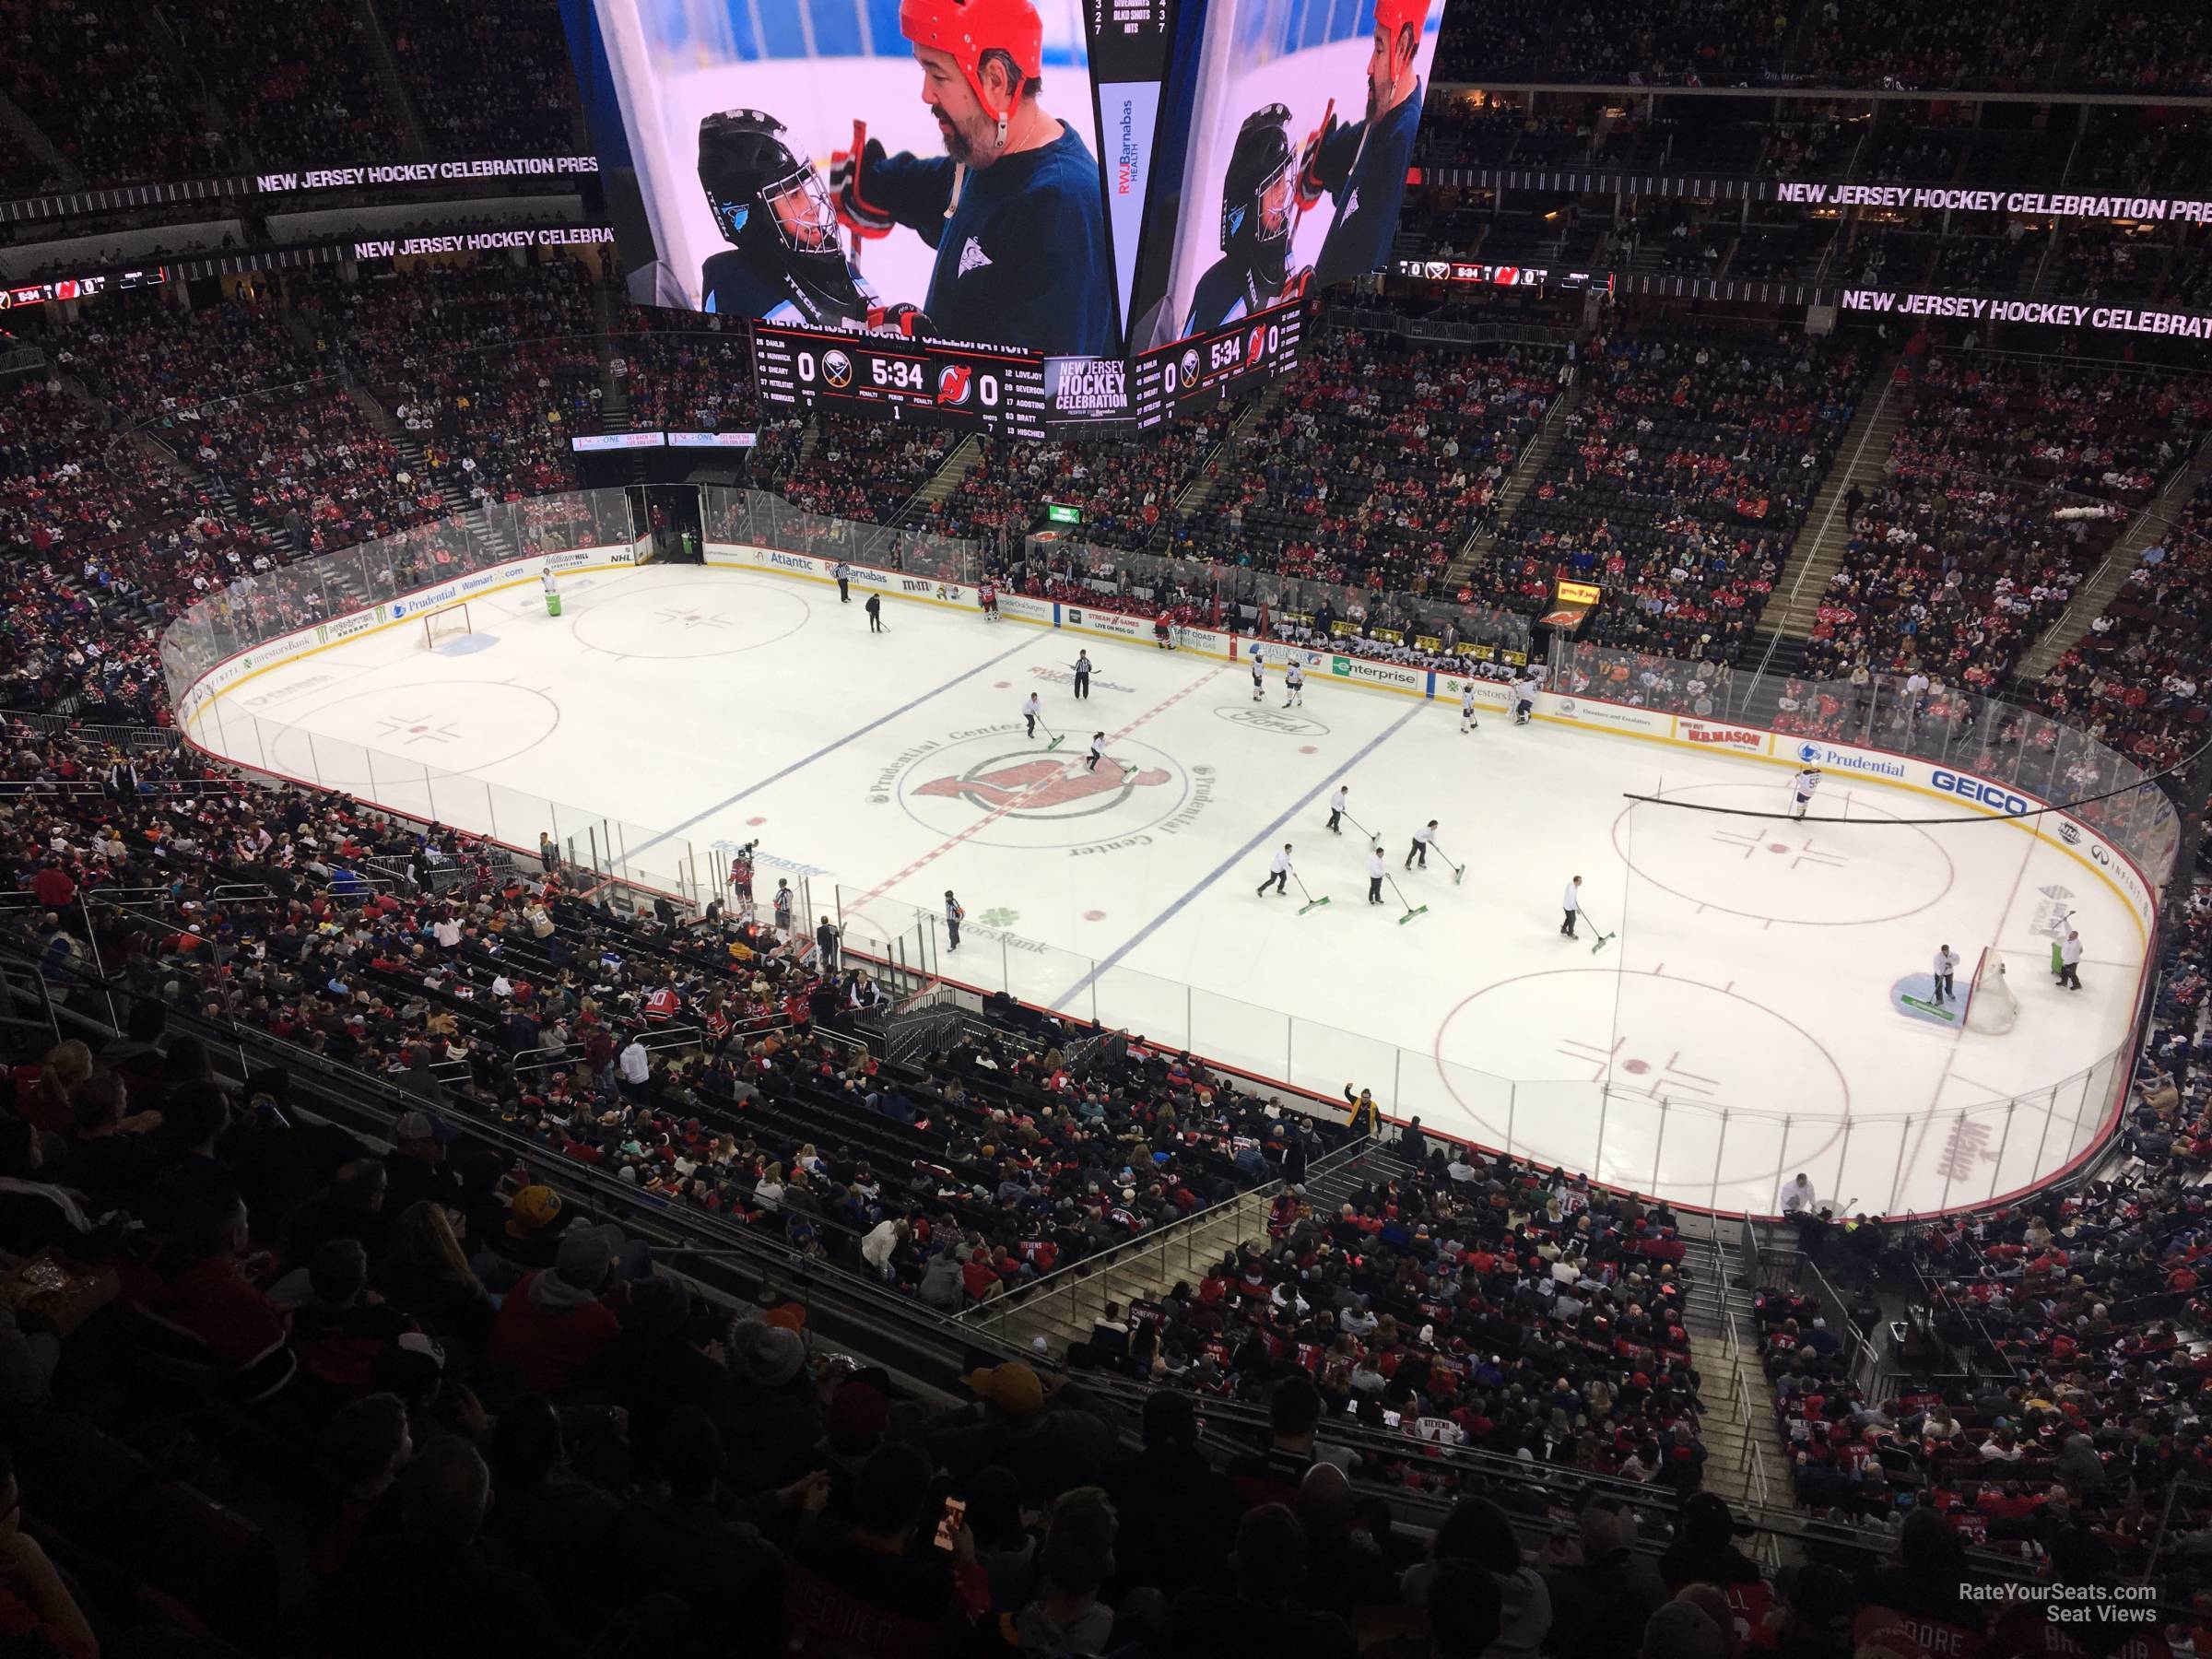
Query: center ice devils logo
(1029, 785)
(953, 383)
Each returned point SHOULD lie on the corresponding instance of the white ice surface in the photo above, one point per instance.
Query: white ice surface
(1752, 970)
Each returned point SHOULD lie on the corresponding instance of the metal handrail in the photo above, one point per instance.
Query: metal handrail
(1027, 1299)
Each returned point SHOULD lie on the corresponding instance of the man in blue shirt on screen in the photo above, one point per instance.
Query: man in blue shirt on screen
(1012, 206)
(1362, 163)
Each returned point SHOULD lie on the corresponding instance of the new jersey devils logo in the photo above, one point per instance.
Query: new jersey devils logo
(953, 383)
(1043, 786)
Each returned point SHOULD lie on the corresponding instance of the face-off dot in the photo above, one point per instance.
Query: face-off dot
(1094, 915)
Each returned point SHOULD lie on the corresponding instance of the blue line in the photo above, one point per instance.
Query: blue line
(1222, 869)
(905, 708)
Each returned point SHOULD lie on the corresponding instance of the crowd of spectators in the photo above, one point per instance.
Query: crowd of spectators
(297, 85)
(683, 373)
(489, 367)
(490, 80)
(2080, 1443)
(1957, 562)
(2132, 681)
(117, 112)
(1376, 464)
(1679, 483)
(864, 470)
(1651, 42)
(101, 543)
(1126, 489)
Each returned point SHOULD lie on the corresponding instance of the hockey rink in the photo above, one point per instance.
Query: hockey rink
(1739, 1029)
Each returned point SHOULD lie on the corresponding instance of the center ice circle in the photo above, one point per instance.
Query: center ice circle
(713, 617)
(1849, 862)
(1001, 789)
(1614, 1049)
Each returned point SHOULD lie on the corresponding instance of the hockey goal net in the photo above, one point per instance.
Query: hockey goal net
(1990, 1004)
(447, 622)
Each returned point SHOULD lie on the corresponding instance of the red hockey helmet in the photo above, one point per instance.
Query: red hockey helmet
(967, 29)
(1394, 15)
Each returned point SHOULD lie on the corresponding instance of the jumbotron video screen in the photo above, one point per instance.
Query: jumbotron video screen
(1016, 214)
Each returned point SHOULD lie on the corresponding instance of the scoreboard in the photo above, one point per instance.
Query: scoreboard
(979, 388)
(1204, 369)
(1018, 393)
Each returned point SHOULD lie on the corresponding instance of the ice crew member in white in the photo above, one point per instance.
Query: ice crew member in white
(1098, 751)
(1571, 903)
(1377, 867)
(2069, 961)
(1423, 838)
(1945, 965)
(1802, 785)
(1466, 709)
(1337, 808)
(1279, 873)
(1031, 706)
(1259, 677)
(1294, 686)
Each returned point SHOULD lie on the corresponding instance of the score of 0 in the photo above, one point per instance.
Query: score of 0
(956, 384)
(1235, 350)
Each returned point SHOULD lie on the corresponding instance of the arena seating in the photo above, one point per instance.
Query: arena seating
(488, 368)
(1681, 479)
(118, 113)
(1956, 564)
(444, 54)
(1372, 471)
(299, 85)
(679, 375)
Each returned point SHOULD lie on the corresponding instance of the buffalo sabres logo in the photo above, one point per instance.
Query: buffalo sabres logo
(1038, 786)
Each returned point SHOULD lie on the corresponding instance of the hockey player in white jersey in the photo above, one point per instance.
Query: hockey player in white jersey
(1259, 675)
(1524, 697)
(1294, 686)
(1466, 709)
(1802, 787)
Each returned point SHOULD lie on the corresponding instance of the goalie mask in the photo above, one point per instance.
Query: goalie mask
(769, 203)
(1256, 196)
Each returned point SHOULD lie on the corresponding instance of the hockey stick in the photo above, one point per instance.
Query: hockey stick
(1458, 870)
(1310, 903)
(1603, 938)
(860, 145)
(1411, 911)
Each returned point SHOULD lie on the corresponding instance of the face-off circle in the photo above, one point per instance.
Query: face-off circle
(435, 726)
(1845, 864)
(1029, 799)
(682, 619)
(1649, 1039)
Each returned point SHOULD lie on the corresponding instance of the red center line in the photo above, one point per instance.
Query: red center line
(1019, 800)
